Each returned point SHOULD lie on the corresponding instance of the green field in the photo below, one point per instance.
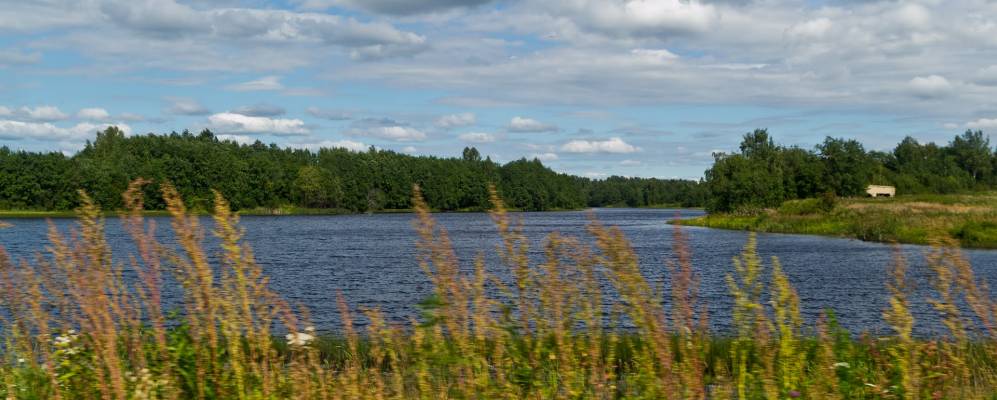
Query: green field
(971, 219)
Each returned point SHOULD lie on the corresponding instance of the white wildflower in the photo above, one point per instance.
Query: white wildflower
(299, 339)
(841, 365)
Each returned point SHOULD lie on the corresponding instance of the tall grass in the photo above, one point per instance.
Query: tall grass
(581, 323)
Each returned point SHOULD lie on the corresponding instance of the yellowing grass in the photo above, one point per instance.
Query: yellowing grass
(970, 219)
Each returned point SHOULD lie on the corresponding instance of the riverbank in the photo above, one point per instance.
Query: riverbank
(971, 219)
(286, 211)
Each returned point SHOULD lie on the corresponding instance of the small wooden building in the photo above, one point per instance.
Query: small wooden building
(881, 191)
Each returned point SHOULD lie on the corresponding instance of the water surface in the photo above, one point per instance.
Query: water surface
(371, 259)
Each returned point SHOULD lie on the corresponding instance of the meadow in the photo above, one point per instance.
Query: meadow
(77, 325)
(971, 219)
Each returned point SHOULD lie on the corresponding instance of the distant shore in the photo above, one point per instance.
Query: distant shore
(970, 219)
(289, 211)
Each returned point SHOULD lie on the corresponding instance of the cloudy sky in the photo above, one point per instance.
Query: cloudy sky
(591, 87)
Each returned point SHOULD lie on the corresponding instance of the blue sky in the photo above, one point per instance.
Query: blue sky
(591, 87)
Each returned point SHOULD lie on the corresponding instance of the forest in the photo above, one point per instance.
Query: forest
(261, 176)
(764, 175)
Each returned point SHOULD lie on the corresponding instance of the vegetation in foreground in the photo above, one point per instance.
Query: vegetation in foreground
(75, 328)
(970, 219)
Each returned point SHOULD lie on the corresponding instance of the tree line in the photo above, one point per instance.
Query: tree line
(763, 174)
(258, 175)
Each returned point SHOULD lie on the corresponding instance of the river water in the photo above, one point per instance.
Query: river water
(372, 260)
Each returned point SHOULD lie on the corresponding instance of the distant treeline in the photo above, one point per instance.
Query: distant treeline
(764, 174)
(267, 176)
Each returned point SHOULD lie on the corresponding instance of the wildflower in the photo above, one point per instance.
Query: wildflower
(552, 356)
(794, 393)
(299, 339)
(20, 360)
(841, 365)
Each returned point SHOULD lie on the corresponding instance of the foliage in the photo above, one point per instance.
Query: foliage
(765, 175)
(259, 176)
(970, 219)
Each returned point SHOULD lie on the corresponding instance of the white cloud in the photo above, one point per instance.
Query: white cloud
(11, 57)
(332, 115)
(987, 76)
(595, 175)
(639, 17)
(812, 29)
(456, 120)
(260, 110)
(342, 144)
(477, 137)
(181, 106)
(409, 149)
(394, 7)
(42, 113)
(654, 55)
(16, 130)
(240, 139)
(265, 83)
(931, 86)
(983, 123)
(93, 114)
(630, 163)
(5, 112)
(545, 156)
(520, 124)
(612, 145)
(237, 123)
(396, 133)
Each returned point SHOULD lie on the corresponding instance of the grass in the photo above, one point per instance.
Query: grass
(583, 323)
(971, 219)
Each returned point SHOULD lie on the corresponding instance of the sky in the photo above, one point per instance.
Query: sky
(647, 88)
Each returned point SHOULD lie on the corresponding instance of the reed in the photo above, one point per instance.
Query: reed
(580, 322)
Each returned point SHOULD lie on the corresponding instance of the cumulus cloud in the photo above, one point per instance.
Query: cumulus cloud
(931, 86)
(983, 123)
(329, 114)
(341, 144)
(11, 57)
(639, 17)
(385, 128)
(396, 133)
(240, 139)
(409, 149)
(394, 7)
(477, 137)
(265, 83)
(545, 156)
(42, 113)
(17, 130)
(229, 122)
(525, 125)
(612, 145)
(169, 19)
(180, 106)
(986, 76)
(456, 120)
(260, 110)
(93, 114)
(5, 112)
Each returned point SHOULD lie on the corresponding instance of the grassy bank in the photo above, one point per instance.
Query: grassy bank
(582, 323)
(971, 219)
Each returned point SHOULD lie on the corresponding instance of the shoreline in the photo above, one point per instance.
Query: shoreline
(27, 214)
